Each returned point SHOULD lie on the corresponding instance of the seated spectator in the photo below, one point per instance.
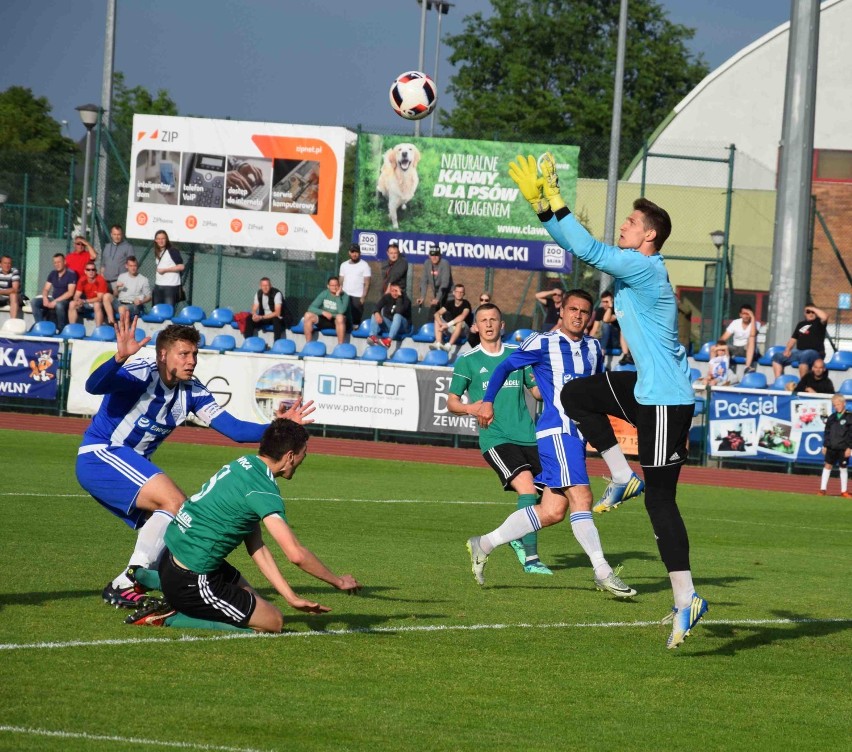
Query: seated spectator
(89, 297)
(552, 301)
(392, 317)
(743, 335)
(56, 294)
(267, 308)
(815, 381)
(82, 254)
(131, 289)
(10, 286)
(718, 369)
(395, 269)
(453, 318)
(330, 306)
(806, 344)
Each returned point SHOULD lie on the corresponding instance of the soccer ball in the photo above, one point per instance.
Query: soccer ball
(413, 95)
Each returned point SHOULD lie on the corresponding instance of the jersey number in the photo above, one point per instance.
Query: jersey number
(208, 486)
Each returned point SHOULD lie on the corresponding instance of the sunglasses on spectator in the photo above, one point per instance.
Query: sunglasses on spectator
(90, 269)
(80, 244)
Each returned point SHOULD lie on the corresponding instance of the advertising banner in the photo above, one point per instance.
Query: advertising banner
(28, 368)
(455, 194)
(434, 388)
(261, 185)
(767, 425)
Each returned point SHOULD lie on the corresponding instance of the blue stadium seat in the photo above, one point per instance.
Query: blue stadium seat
(252, 345)
(313, 350)
(344, 351)
(846, 388)
(103, 333)
(363, 330)
(780, 384)
(624, 367)
(283, 346)
(218, 318)
(754, 380)
(222, 343)
(192, 314)
(426, 333)
(299, 328)
(73, 331)
(703, 355)
(436, 358)
(840, 361)
(404, 355)
(159, 313)
(139, 334)
(766, 358)
(375, 353)
(518, 336)
(694, 374)
(43, 329)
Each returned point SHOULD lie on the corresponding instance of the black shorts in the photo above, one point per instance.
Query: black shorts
(215, 596)
(836, 457)
(508, 460)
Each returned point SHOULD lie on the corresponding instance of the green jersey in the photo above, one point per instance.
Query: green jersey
(213, 522)
(512, 421)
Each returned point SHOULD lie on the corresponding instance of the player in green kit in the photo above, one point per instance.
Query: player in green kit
(509, 443)
(200, 587)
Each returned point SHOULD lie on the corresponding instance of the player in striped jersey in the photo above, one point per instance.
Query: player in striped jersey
(556, 357)
(144, 401)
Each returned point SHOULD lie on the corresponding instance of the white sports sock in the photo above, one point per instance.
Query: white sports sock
(682, 587)
(826, 473)
(844, 479)
(583, 527)
(517, 525)
(619, 467)
(149, 545)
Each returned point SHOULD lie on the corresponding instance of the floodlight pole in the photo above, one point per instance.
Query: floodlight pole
(420, 59)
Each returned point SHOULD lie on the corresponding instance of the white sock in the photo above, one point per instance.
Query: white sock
(149, 545)
(682, 587)
(517, 525)
(619, 467)
(826, 473)
(583, 527)
(844, 479)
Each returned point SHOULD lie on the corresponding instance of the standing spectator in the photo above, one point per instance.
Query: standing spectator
(806, 344)
(608, 330)
(114, 257)
(132, 289)
(355, 279)
(330, 306)
(837, 445)
(552, 301)
(267, 308)
(82, 254)
(57, 293)
(685, 312)
(392, 317)
(437, 281)
(395, 269)
(743, 335)
(815, 381)
(169, 267)
(454, 317)
(89, 296)
(10, 286)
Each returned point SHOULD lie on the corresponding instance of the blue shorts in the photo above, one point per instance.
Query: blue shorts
(113, 476)
(563, 461)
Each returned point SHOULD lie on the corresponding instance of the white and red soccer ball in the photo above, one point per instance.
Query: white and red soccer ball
(413, 95)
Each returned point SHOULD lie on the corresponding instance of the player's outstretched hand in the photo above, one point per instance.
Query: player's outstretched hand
(485, 414)
(298, 412)
(309, 607)
(125, 337)
(348, 584)
(550, 181)
(525, 173)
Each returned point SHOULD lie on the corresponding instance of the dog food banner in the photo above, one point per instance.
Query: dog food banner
(767, 425)
(235, 183)
(455, 195)
(28, 368)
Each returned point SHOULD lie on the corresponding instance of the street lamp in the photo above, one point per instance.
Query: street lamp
(89, 115)
(718, 238)
(443, 8)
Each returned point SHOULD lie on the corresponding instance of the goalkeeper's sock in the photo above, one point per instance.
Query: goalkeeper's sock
(530, 540)
(517, 525)
(619, 468)
(583, 527)
(182, 621)
(682, 588)
(826, 474)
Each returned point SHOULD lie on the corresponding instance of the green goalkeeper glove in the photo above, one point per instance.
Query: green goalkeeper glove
(550, 182)
(525, 173)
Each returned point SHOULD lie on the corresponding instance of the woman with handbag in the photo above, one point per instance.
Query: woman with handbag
(167, 287)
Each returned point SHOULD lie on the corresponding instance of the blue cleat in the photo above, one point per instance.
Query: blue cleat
(519, 550)
(618, 492)
(535, 566)
(685, 619)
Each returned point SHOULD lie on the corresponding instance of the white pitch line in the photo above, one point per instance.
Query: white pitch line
(123, 739)
(394, 630)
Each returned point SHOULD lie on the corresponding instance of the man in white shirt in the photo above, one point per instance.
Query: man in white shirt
(132, 290)
(744, 331)
(355, 276)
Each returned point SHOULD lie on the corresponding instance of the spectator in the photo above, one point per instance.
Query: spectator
(115, 256)
(837, 445)
(170, 264)
(330, 306)
(395, 269)
(355, 279)
(89, 296)
(607, 328)
(132, 289)
(719, 371)
(815, 381)
(454, 318)
(437, 281)
(806, 344)
(685, 311)
(392, 316)
(267, 308)
(743, 334)
(552, 301)
(10, 286)
(82, 254)
(57, 293)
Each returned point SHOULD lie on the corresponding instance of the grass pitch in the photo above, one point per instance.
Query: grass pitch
(425, 659)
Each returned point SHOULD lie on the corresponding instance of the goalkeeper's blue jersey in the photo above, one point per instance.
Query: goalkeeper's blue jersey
(555, 360)
(646, 309)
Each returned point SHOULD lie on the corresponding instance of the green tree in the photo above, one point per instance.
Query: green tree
(543, 70)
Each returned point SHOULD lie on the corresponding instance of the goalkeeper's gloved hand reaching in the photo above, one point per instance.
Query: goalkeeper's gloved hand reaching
(524, 172)
(550, 182)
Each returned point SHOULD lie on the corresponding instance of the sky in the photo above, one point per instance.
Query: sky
(321, 62)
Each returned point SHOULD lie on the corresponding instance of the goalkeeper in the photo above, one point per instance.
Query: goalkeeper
(657, 398)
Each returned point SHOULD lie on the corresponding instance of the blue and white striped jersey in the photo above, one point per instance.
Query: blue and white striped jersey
(555, 360)
(139, 411)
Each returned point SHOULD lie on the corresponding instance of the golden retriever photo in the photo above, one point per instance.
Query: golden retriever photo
(398, 178)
